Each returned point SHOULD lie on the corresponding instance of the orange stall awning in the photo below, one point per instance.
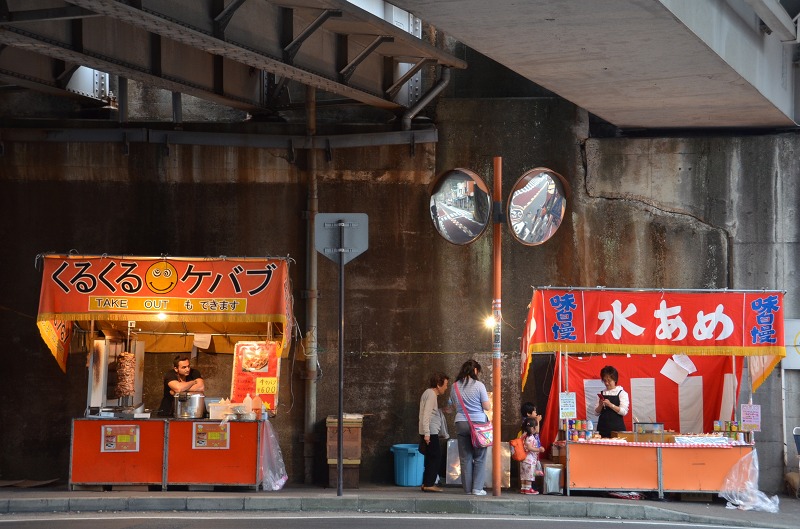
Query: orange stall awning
(170, 299)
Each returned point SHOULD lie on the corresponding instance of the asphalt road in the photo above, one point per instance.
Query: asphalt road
(224, 520)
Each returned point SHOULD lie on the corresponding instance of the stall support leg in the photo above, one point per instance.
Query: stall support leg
(660, 475)
(566, 468)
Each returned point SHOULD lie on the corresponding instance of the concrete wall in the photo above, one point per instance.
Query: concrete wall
(655, 213)
(728, 207)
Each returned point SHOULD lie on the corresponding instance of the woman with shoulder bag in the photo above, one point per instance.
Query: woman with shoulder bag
(471, 391)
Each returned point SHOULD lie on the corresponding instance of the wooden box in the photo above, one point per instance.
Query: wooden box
(351, 439)
(350, 476)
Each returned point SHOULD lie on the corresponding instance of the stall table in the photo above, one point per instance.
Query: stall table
(657, 467)
(166, 452)
(235, 463)
(97, 458)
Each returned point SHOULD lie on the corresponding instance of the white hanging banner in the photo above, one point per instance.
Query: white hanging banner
(792, 341)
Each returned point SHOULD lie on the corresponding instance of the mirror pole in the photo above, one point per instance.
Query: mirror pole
(497, 415)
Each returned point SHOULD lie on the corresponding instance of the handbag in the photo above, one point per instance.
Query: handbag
(518, 452)
(482, 433)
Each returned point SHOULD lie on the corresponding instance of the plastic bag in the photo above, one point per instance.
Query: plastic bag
(273, 469)
(741, 487)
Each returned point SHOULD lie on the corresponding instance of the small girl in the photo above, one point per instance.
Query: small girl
(527, 467)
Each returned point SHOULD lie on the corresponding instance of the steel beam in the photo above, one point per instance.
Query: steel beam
(182, 137)
(293, 47)
(222, 20)
(348, 70)
(41, 15)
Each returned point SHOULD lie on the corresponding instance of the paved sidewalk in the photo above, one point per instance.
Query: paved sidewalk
(387, 498)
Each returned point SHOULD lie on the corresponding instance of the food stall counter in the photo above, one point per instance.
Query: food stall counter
(107, 451)
(214, 453)
(164, 452)
(661, 467)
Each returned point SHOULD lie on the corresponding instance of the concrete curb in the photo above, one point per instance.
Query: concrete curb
(386, 502)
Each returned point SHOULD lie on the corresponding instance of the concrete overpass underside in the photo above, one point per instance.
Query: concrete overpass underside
(654, 64)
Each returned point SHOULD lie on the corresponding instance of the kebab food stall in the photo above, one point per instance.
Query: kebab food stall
(678, 354)
(240, 306)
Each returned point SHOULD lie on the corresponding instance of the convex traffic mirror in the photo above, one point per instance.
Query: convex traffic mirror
(536, 206)
(461, 207)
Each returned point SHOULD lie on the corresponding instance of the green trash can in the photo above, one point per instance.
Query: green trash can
(409, 465)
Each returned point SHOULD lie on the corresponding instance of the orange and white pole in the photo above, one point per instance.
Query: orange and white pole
(497, 355)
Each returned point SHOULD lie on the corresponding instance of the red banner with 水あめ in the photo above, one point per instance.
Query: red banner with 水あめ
(616, 321)
(748, 323)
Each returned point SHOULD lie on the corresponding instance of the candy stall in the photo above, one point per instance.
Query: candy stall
(679, 356)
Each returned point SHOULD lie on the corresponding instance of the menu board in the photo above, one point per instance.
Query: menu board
(567, 406)
(256, 370)
(119, 438)
(751, 418)
(211, 436)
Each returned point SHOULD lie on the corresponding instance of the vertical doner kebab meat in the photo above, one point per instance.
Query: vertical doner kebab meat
(126, 375)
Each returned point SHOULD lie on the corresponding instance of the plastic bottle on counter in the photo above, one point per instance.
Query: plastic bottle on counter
(248, 403)
(257, 404)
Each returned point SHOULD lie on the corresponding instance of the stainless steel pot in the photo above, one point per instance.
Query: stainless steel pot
(189, 405)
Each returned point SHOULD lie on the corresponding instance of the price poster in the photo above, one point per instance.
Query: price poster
(751, 418)
(211, 436)
(119, 438)
(567, 407)
(256, 370)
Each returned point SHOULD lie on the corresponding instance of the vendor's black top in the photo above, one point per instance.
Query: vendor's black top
(609, 420)
(168, 400)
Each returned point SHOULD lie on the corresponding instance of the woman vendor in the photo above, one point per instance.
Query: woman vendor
(613, 404)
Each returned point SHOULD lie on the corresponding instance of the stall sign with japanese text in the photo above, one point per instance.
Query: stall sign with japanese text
(751, 418)
(609, 321)
(256, 370)
(119, 438)
(567, 406)
(86, 288)
(211, 436)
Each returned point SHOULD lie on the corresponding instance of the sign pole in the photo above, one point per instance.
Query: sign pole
(497, 355)
(339, 455)
(341, 246)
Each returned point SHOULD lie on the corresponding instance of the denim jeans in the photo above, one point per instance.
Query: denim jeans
(473, 468)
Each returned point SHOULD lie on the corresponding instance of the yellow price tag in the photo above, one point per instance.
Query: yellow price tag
(267, 385)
